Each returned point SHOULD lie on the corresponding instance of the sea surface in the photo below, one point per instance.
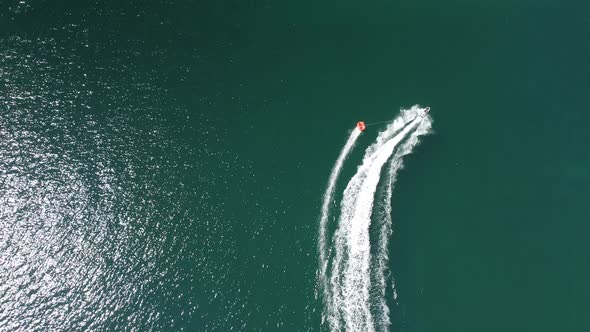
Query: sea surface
(162, 163)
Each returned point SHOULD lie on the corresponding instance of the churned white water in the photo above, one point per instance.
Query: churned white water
(349, 295)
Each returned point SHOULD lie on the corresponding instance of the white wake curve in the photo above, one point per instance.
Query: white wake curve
(356, 281)
(396, 164)
(329, 193)
(335, 311)
(350, 278)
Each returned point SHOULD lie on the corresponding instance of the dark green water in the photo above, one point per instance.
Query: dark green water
(162, 164)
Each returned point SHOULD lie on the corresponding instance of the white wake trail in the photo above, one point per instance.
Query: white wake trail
(356, 282)
(340, 307)
(325, 213)
(382, 272)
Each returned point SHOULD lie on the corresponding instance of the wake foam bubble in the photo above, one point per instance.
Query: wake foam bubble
(329, 193)
(348, 296)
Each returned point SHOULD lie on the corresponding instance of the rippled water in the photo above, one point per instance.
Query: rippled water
(112, 193)
(162, 162)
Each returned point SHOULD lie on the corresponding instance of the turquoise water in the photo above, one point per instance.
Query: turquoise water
(162, 165)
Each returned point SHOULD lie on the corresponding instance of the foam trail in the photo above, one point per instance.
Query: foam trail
(329, 193)
(381, 274)
(386, 227)
(335, 311)
(356, 281)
